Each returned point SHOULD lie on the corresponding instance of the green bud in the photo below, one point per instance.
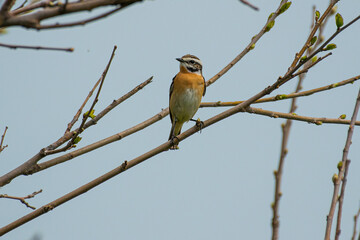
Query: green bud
(339, 166)
(303, 58)
(330, 46)
(271, 14)
(335, 177)
(317, 15)
(284, 7)
(318, 123)
(281, 96)
(252, 46)
(314, 59)
(339, 20)
(77, 139)
(269, 26)
(313, 40)
(91, 115)
(342, 116)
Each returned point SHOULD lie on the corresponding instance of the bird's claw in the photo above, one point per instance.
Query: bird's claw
(174, 146)
(199, 124)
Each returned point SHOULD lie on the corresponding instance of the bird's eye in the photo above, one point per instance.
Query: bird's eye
(192, 61)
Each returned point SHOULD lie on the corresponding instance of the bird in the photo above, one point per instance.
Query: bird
(186, 91)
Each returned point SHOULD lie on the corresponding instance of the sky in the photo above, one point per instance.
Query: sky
(220, 183)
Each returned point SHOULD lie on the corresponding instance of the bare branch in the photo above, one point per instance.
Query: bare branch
(341, 200)
(12, 46)
(317, 25)
(86, 116)
(5, 8)
(250, 5)
(287, 126)
(249, 47)
(293, 116)
(356, 217)
(284, 96)
(337, 178)
(32, 6)
(81, 22)
(108, 140)
(51, 149)
(2, 140)
(22, 199)
(33, 19)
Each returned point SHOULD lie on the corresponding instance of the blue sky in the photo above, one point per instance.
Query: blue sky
(220, 184)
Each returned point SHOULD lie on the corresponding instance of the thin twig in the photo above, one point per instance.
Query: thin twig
(337, 179)
(86, 116)
(33, 19)
(32, 6)
(248, 48)
(2, 140)
(293, 116)
(12, 46)
(22, 5)
(22, 199)
(105, 141)
(77, 115)
(284, 96)
(286, 127)
(341, 200)
(81, 22)
(356, 217)
(307, 44)
(250, 5)
(5, 8)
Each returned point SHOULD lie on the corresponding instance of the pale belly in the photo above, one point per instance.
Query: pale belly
(186, 105)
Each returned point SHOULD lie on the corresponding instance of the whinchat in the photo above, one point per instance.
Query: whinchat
(186, 90)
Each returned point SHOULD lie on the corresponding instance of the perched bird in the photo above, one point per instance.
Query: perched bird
(186, 91)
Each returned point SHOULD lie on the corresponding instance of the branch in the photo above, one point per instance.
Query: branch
(77, 115)
(11, 46)
(33, 19)
(284, 96)
(341, 200)
(86, 115)
(51, 149)
(287, 126)
(81, 22)
(339, 177)
(355, 224)
(5, 8)
(105, 141)
(250, 5)
(250, 46)
(22, 199)
(2, 140)
(293, 116)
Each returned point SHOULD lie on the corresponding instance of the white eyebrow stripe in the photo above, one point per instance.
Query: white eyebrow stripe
(195, 60)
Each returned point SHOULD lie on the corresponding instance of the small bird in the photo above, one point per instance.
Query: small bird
(186, 90)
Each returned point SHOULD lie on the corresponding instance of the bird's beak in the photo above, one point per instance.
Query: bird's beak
(180, 59)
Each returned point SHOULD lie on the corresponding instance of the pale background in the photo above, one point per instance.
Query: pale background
(219, 185)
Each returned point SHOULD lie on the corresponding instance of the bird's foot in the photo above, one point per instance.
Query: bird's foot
(198, 123)
(174, 146)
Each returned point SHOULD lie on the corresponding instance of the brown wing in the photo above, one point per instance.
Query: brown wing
(170, 92)
(204, 87)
